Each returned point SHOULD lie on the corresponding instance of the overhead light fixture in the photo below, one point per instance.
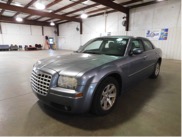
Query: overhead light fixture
(18, 19)
(52, 23)
(84, 16)
(86, 2)
(39, 5)
(18, 4)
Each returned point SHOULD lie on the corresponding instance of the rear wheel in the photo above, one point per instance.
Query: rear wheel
(105, 97)
(156, 71)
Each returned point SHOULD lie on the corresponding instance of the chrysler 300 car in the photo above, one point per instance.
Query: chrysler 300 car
(93, 77)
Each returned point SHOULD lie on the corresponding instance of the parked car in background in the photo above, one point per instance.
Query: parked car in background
(93, 77)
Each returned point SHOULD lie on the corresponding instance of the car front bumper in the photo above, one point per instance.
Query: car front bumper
(66, 100)
(61, 98)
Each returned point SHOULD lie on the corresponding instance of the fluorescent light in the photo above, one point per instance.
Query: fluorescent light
(52, 24)
(18, 4)
(18, 19)
(86, 2)
(84, 16)
(39, 6)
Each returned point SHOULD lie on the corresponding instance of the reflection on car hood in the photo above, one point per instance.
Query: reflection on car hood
(75, 63)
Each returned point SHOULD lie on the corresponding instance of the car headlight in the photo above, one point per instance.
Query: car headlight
(67, 82)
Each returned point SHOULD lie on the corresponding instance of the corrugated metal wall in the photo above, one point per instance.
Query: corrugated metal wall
(165, 14)
(171, 47)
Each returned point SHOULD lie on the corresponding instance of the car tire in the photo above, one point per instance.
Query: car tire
(156, 71)
(105, 96)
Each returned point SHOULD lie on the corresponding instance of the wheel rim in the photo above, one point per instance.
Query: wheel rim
(157, 69)
(108, 97)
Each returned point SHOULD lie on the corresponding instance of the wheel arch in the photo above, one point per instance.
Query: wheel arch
(115, 75)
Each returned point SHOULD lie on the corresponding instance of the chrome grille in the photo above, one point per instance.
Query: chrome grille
(40, 82)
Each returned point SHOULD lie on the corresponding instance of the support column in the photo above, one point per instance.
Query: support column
(42, 30)
(81, 28)
(127, 20)
(57, 30)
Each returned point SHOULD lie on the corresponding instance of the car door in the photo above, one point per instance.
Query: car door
(136, 63)
(150, 58)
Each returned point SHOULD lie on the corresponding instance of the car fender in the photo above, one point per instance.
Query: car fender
(94, 78)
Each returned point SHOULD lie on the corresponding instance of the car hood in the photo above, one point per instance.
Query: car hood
(75, 63)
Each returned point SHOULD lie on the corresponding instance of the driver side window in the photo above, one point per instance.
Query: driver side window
(136, 43)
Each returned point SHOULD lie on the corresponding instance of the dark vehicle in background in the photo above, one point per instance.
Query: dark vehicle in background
(93, 77)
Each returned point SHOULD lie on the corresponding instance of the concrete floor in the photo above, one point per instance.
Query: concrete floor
(151, 108)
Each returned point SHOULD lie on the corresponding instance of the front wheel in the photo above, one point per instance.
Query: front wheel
(105, 97)
(156, 71)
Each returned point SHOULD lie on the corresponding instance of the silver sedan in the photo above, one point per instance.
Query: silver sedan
(95, 75)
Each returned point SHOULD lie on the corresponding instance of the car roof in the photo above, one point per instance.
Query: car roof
(123, 36)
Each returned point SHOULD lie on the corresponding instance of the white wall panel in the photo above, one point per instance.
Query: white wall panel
(49, 31)
(23, 34)
(36, 30)
(171, 48)
(156, 16)
(69, 37)
(24, 29)
(164, 14)
(1, 38)
(94, 25)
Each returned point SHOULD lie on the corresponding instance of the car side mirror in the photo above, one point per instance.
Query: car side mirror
(136, 51)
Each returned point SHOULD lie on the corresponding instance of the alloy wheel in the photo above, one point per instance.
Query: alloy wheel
(108, 96)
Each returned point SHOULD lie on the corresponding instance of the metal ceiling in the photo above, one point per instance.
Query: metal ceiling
(64, 10)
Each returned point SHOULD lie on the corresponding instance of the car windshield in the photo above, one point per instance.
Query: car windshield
(107, 46)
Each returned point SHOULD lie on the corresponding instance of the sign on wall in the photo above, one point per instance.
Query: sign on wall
(157, 34)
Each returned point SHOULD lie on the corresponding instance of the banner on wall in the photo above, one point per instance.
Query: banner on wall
(157, 34)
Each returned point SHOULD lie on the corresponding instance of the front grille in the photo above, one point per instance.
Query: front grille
(40, 82)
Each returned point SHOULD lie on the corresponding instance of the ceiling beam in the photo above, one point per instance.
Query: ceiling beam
(93, 5)
(30, 3)
(68, 6)
(53, 3)
(130, 2)
(63, 22)
(101, 9)
(48, 20)
(112, 5)
(27, 22)
(93, 11)
(47, 6)
(65, 7)
(145, 4)
(2, 11)
(37, 18)
(26, 6)
(27, 16)
(82, 9)
(36, 12)
(106, 12)
(98, 14)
